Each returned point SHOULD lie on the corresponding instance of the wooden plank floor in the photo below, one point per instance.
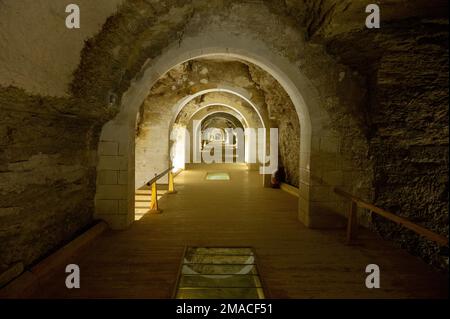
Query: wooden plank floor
(295, 262)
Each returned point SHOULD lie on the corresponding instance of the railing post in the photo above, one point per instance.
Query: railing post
(154, 200)
(352, 226)
(171, 184)
(352, 223)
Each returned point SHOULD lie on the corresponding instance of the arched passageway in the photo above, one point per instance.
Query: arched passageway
(294, 261)
(107, 107)
(324, 201)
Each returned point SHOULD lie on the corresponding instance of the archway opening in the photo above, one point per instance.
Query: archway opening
(258, 66)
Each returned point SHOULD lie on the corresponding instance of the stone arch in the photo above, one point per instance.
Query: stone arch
(252, 114)
(240, 93)
(119, 133)
(205, 120)
(153, 154)
(199, 114)
(203, 113)
(232, 110)
(235, 115)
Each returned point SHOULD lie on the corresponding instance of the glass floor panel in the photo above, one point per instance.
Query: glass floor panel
(219, 273)
(219, 251)
(211, 269)
(220, 293)
(215, 176)
(219, 259)
(212, 281)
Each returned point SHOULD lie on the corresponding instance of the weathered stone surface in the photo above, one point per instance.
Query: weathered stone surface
(406, 122)
(47, 176)
(385, 91)
(410, 136)
(38, 53)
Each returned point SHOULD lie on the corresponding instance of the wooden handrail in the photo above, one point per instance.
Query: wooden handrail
(441, 240)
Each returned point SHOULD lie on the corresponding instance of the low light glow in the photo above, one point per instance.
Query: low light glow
(142, 202)
(218, 176)
(178, 156)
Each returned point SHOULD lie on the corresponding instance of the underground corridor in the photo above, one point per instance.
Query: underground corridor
(293, 261)
(203, 150)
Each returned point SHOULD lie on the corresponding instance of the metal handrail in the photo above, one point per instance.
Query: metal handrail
(158, 177)
(154, 208)
(352, 219)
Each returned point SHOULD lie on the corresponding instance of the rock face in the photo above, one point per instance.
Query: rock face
(386, 92)
(284, 116)
(406, 122)
(47, 176)
(35, 42)
(410, 135)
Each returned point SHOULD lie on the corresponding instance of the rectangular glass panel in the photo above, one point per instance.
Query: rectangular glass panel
(218, 176)
(218, 251)
(220, 293)
(219, 259)
(228, 281)
(219, 272)
(218, 269)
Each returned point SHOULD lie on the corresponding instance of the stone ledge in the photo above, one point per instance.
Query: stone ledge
(11, 273)
(290, 189)
(30, 279)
